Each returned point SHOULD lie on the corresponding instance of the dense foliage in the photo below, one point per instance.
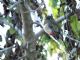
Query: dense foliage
(60, 31)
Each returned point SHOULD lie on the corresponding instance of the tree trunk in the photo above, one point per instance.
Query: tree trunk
(29, 38)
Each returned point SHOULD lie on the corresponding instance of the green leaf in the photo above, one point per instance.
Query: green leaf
(12, 30)
(9, 19)
(55, 12)
(45, 39)
(53, 3)
(75, 25)
(52, 47)
(78, 28)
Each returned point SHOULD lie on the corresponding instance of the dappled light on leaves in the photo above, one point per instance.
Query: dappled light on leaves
(56, 25)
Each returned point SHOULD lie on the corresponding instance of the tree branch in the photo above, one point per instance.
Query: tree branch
(60, 19)
(6, 49)
(73, 39)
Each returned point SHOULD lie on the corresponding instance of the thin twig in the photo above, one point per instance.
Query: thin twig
(14, 5)
(73, 39)
(6, 49)
(61, 18)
